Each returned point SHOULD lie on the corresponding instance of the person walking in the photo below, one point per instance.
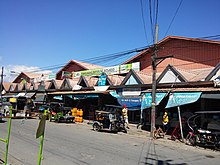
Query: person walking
(125, 115)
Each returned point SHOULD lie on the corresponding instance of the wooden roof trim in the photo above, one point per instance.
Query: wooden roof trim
(213, 72)
(174, 70)
(132, 72)
(82, 78)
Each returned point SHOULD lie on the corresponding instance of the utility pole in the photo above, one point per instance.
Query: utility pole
(154, 83)
(1, 84)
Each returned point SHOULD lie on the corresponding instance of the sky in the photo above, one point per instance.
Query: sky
(47, 34)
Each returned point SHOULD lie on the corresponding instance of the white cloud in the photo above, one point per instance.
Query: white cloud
(12, 71)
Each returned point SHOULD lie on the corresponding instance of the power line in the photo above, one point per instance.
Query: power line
(174, 17)
(211, 37)
(96, 60)
(142, 14)
(151, 20)
(153, 17)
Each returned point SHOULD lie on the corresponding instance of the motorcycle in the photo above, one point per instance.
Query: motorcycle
(203, 131)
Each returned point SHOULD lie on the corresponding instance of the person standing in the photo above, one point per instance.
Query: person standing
(125, 115)
(165, 121)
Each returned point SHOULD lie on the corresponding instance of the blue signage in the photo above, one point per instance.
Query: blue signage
(132, 103)
(102, 80)
(147, 99)
(182, 98)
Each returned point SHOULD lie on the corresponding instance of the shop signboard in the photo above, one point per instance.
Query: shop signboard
(147, 99)
(66, 74)
(93, 72)
(125, 68)
(102, 80)
(132, 103)
(111, 70)
(182, 98)
(13, 100)
(52, 76)
(119, 69)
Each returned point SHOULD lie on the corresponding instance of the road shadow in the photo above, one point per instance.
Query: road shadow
(161, 162)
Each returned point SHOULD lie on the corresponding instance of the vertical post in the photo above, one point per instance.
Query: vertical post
(41, 149)
(40, 134)
(1, 84)
(8, 137)
(154, 82)
(180, 120)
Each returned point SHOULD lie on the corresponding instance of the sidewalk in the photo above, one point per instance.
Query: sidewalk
(133, 131)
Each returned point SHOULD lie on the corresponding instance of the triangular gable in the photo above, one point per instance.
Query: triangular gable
(19, 87)
(74, 66)
(47, 84)
(108, 81)
(24, 87)
(12, 88)
(32, 86)
(132, 78)
(55, 84)
(41, 86)
(83, 82)
(171, 75)
(66, 84)
(52, 85)
(115, 79)
(6, 85)
(215, 73)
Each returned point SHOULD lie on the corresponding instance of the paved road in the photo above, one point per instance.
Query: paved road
(78, 144)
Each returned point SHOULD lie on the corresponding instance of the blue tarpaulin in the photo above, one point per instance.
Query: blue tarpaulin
(182, 98)
(147, 99)
(132, 103)
(84, 96)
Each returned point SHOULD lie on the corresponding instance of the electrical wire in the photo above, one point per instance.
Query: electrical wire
(115, 56)
(173, 17)
(144, 23)
(211, 37)
(151, 19)
(95, 60)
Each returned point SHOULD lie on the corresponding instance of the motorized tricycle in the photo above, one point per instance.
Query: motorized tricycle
(110, 118)
(59, 113)
(204, 129)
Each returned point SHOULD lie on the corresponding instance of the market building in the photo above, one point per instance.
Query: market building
(191, 71)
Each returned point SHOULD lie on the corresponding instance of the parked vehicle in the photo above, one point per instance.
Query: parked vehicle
(59, 113)
(44, 110)
(110, 118)
(204, 129)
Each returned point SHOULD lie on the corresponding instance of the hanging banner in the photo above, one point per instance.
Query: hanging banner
(111, 70)
(66, 74)
(132, 103)
(119, 69)
(93, 72)
(114, 94)
(182, 98)
(147, 99)
(102, 80)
